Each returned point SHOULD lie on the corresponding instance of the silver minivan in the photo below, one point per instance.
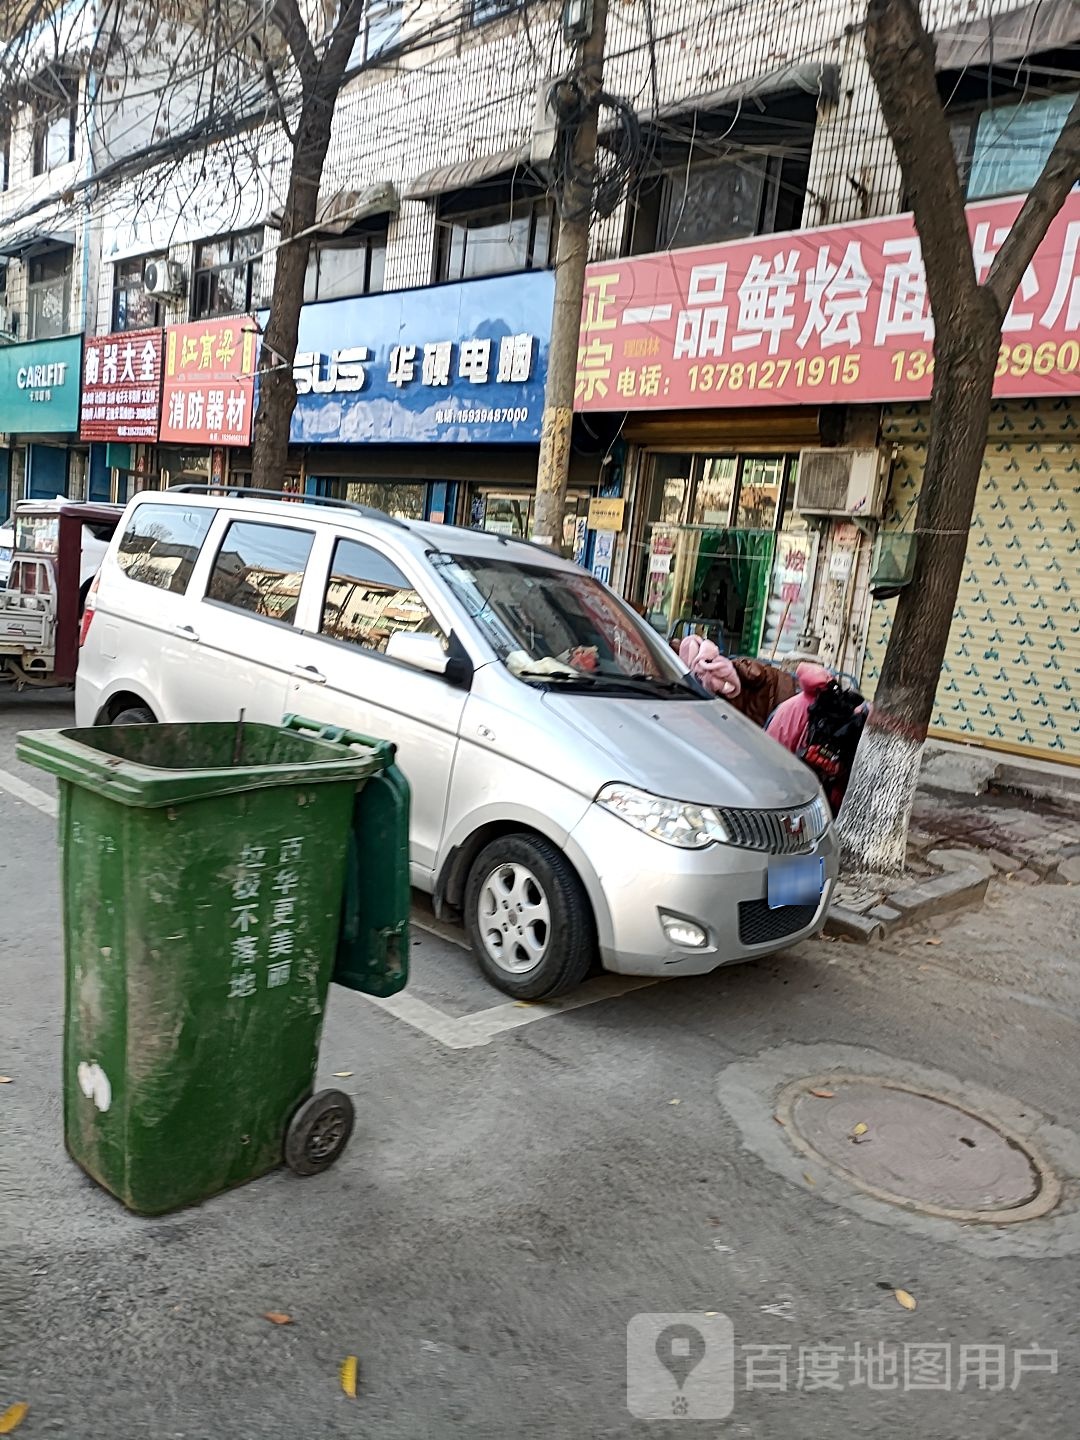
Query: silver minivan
(576, 796)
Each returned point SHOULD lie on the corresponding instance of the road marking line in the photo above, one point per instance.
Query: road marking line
(440, 931)
(484, 1025)
(422, 1016)
(465, 1032)
(29, 794)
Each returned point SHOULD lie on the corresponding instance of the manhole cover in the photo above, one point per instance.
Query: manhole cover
(916, 1149)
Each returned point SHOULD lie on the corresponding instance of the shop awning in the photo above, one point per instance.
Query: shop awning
(808, 79)
(998, 39)
(34, 240)
(340, 211)
(468, 173)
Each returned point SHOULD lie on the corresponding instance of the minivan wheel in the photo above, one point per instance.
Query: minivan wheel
(528, 918)
(135, 715)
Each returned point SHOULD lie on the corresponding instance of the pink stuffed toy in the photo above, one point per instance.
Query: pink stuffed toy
(711, 669)
(788, 722)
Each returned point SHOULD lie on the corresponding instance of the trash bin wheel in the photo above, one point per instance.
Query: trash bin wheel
(319, 1132)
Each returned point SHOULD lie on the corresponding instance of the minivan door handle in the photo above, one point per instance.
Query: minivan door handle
(308, 672)
(185, 632)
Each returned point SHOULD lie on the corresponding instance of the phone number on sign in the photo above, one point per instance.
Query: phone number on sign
(482, 416)
(1018, 360)
(774, 374)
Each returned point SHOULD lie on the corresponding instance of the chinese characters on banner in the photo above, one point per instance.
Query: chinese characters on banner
(121, 386)
(209, 390)
(827, 316)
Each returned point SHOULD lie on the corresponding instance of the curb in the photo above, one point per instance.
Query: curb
(954, 890)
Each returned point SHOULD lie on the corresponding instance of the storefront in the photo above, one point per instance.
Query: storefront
(39, 417)
(207, 405)
(428, 403)
(774, 393)
(120, 409)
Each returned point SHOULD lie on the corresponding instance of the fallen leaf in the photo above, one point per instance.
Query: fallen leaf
(933, 940)
(13, 1417)
(808, 1178)
(5, 1080)
(824, 1094)
(342, 1074)
(278, 1317)
(711, 1314)
(674, 1102)
(349, 1367)
(522, 1004)
(778, 1120)
(861, 1128)
(924, 967)
(905, 1299)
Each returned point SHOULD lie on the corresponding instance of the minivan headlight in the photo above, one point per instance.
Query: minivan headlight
(690, 827)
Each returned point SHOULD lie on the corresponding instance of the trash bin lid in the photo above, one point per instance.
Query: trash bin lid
(154, 765)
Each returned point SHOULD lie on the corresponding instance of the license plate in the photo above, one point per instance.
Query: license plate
(798, 880)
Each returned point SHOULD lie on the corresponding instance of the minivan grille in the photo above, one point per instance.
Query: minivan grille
(758, 925)
(780, 832)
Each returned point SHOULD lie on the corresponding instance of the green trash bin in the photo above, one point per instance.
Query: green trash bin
(203, 876)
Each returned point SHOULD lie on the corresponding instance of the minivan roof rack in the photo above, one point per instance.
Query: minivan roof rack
(254, 492)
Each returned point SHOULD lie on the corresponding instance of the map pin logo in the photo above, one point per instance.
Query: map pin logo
(680, 1349)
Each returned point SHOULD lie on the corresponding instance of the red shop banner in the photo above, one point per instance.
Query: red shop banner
(121, 386)
(834, 315)
(209, 391)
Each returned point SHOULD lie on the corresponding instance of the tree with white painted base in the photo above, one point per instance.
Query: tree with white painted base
(968, 318)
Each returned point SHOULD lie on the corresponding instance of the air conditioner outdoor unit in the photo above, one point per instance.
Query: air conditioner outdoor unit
(841, 482)
(164, 278)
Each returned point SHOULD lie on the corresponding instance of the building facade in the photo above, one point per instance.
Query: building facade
(760, 159)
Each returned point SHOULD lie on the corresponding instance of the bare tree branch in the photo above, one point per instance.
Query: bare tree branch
(1046, 197)
(901, 58)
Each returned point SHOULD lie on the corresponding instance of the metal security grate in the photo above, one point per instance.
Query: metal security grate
(780, 832)
(758, 924)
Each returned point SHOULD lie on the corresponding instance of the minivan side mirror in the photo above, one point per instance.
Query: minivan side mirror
(422, 652)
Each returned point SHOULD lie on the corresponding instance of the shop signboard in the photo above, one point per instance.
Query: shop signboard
(208, 393)
(445, 364)
(834, 315)
(39, 386)
(121, 386)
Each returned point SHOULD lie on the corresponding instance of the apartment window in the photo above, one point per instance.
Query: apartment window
(1001, 150)
(713, 201)
(260, 568)
(55, 119)
(354, 265)
(382, 27)
(485, 10)
(227, 275)
(518, 235)
(133, 308)
(368, 599)
(48, 293)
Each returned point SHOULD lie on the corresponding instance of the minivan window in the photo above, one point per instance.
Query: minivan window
(161, 543)
(368, 598)
(260, 568)
(562, 627)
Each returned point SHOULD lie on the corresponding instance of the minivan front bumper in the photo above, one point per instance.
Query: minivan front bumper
(634, 880)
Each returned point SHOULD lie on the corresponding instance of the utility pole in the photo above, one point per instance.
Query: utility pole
(576, 102)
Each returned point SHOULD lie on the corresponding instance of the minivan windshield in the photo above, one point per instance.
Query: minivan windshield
(561, 627)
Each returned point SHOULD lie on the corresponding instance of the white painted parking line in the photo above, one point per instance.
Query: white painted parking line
(465, 1032)
(29, 794)
(431, 926)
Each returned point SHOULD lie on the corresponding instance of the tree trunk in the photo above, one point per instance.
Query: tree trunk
(968, 317)
(877, 808)
(277, 388)
(321, 73)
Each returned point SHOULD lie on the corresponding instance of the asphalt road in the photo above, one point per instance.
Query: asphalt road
(523, 1183)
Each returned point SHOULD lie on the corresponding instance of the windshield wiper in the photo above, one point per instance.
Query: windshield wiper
(586, 677)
